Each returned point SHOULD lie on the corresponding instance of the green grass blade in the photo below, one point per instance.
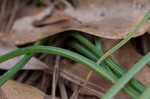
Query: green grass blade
(131, 92)
(128, 89)
(85, 42)
(98, 46)
(89, 54)
(83, 50)
(119, 70)
(145, 94)
(126, 77)
(11, 72)
(131, 34)
(62, 52)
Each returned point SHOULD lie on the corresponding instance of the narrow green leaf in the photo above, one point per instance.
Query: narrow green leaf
(128, 89)
(145, 94)
(58, 51)
(119, 70)
(11, 72)
(131, 34)
(127, 77)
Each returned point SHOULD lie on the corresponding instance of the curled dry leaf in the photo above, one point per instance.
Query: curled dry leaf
(25, 32)
(104, 18)
(110, 19)
(33, 64)
(15, 90)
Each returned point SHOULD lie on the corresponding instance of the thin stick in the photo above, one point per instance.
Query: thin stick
(3, 7)
(55, 76)
(76, 93)
(63, 90)
(13, 14)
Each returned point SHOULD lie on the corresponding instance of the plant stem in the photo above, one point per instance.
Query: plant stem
(128, 89)
(62, 52)
(145, 94)
(119, 70)
(126, 77)
(83, 50)
(130, 35)
(66, 53)
(86, 42)
(98, 45)
(11, 72)
(89, 54)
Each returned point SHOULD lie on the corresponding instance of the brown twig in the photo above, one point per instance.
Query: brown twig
(63, 91)
(22, 77)
(33, 77)
(75, 93)
(44, 83)
(79, 81)
(55, 76)
(3, 7)
(12, 17)
(3, 14)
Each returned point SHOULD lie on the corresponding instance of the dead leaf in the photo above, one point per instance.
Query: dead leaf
(108, 19)
(26, 9)
(2, 94)
(33, 64)
(25, 32)
(15, 90)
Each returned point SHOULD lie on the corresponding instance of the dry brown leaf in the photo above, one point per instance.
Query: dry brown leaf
(108, 19)
(26, 9)
(2, 94)
(15, 90)
(25, 32)
(33, 64)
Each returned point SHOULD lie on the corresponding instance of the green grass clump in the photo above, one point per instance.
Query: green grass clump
(110, 70)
